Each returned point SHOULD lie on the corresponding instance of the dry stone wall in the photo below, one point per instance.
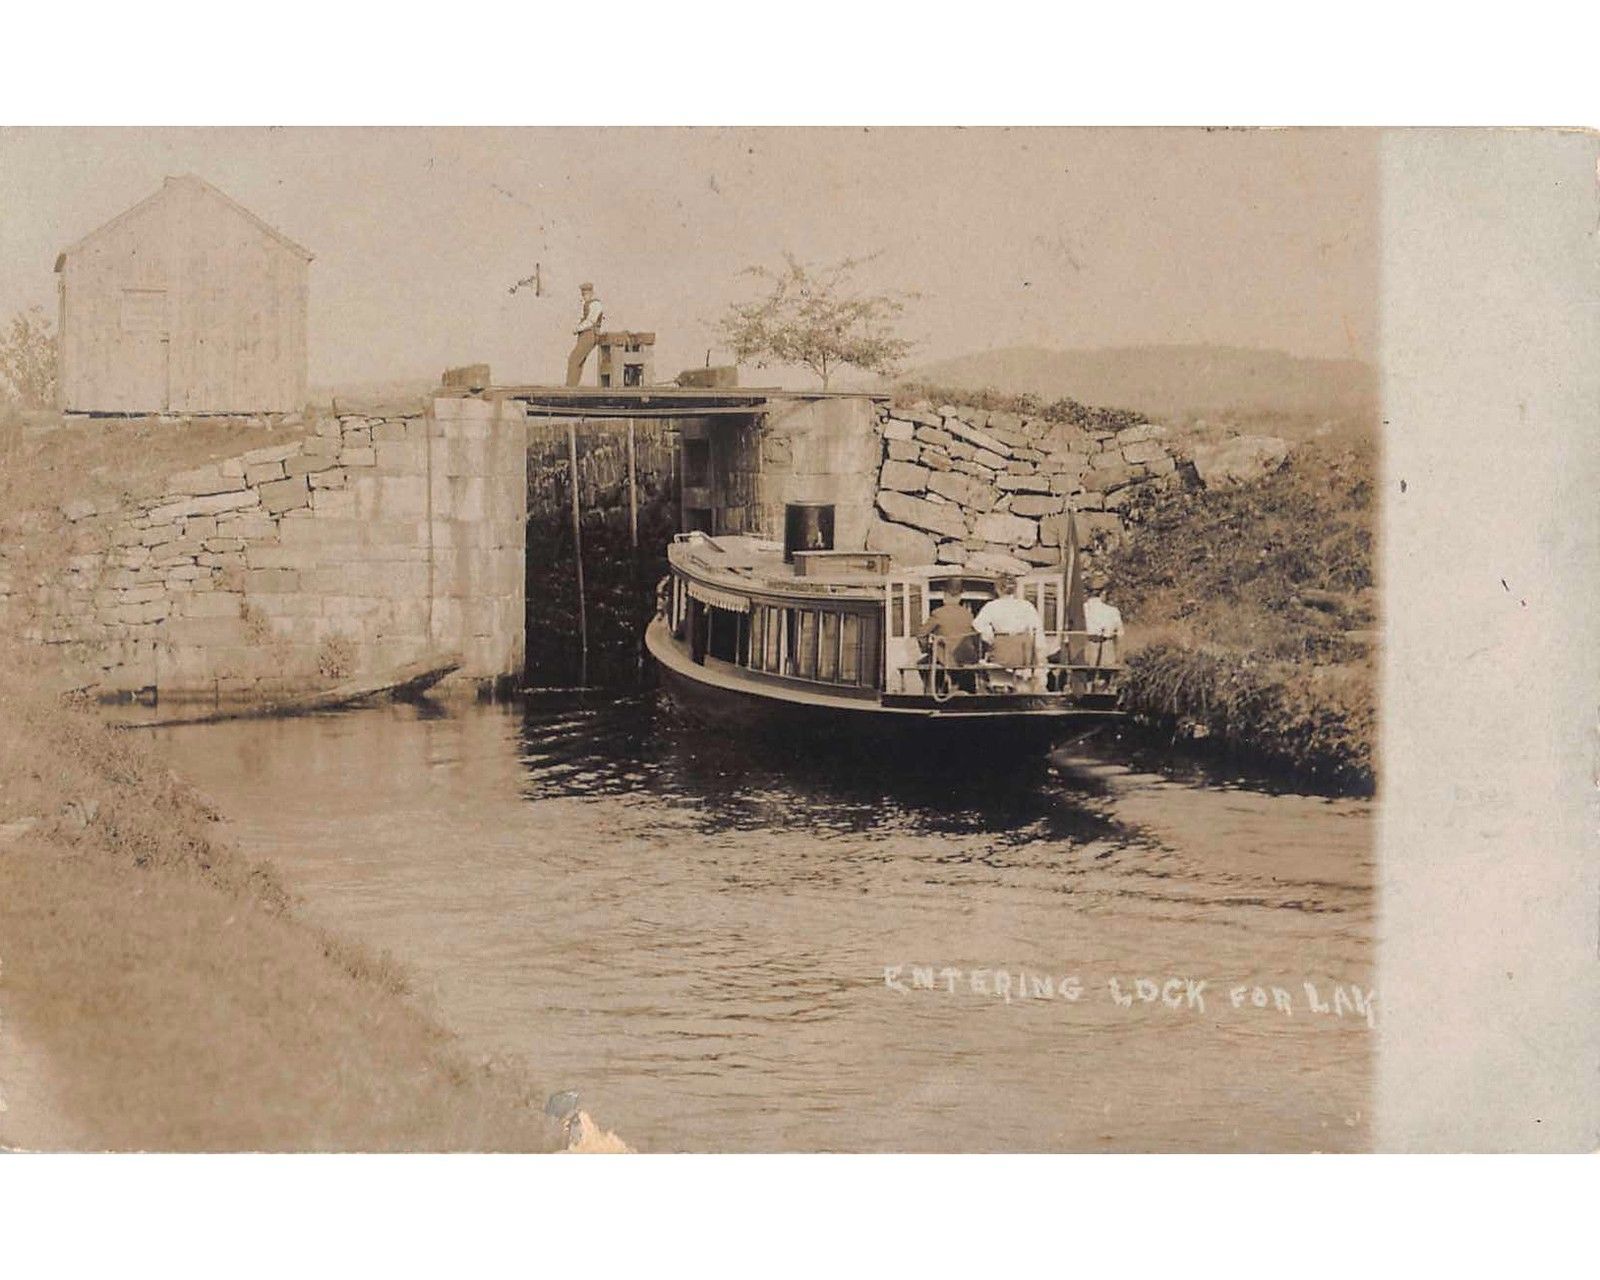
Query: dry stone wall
(371, 542)
(994, 490)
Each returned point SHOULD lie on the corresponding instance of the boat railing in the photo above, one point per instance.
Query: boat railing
(1094, 677)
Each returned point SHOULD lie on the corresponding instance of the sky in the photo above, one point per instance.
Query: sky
(1061, 238)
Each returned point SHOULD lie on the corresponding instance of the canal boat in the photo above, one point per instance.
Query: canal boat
(760, 632)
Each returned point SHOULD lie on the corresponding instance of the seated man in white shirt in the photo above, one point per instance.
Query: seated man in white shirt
(1004, 623)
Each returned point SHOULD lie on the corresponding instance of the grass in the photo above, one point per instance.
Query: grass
(178, 999)
(1251, 612)
(1025, 404)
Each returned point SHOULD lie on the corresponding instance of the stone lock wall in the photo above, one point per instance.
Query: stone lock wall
(369, 543)
(820, 450)
(994, 490)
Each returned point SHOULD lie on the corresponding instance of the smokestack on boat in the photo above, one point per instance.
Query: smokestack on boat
(807, 526)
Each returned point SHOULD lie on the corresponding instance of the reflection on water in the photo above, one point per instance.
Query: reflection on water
(693, 929)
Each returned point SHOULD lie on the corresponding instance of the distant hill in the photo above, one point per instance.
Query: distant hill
(1169, 381)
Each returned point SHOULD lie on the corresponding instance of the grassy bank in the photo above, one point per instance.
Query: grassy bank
(1251, 614)
(176, 997)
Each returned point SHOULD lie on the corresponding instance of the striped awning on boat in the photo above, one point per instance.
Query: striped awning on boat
(718, 599)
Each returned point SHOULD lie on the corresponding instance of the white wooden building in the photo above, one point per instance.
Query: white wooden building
(185, 303)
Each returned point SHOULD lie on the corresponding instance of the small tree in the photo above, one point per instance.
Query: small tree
(813, 316)
(28, 360)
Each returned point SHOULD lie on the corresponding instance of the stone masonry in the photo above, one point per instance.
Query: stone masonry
(367, 544)
(994, 490)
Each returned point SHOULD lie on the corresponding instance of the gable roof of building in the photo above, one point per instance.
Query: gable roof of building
(186, 179)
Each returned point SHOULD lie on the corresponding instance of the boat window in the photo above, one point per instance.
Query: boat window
(850, 663)
(828, 646)
(726, 635)
(758, 637)
(805, 649)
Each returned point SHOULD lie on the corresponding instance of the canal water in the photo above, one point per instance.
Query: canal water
(736, 946)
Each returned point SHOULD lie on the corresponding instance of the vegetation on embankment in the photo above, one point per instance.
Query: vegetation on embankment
(177, 1000)
(1251, 610)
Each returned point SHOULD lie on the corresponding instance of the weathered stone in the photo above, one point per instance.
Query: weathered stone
(183, 548)
(1105, 479)
(1143, 451)
(1163, 466)
(1094, 525)
(938, 498)
(328, 479)
(201, 481)
(969, 491)
(922, 414)
(78, 509)
(1010, 436)
(996, 562)
(975, 436)
(1089, 501)
(151, 611)
(358, 457)
(232, 468)
(905, 546)
(1063, 436)
(309, 463)
(271, 580)
(905, 477)
(280, 557)
(187, 573)
(935, 436)
(1034, 504)
(200, 527)
(951, 553)
(1144, 431)
(285, 495)
(251, 526)
(922, 514)
(401, 455)
(260, 473)
(1240, 459)
(937, 459)
(898, 429)
(1000, 526)
(1122, 499)
(902, 450)
(988, 458)
(1023, 484)
(388, 431)
(973, 469)
(1041, 555)
(274, 453)
(205, 505)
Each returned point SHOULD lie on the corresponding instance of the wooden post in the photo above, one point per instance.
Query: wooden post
(577, 556)
(633, 494)
(633, 539)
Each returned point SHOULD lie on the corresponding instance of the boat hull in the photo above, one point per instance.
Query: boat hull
(724, 698)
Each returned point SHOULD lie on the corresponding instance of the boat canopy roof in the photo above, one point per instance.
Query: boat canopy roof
(733, 567)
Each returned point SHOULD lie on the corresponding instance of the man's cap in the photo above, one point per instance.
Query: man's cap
(586, 285)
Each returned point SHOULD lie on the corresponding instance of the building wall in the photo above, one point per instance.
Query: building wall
(185, 305)
(365, 545)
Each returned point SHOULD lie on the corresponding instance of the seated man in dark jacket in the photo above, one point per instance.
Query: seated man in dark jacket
(949, 629)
